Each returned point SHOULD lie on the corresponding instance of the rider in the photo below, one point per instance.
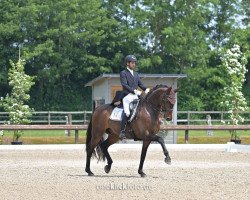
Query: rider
(130, 81)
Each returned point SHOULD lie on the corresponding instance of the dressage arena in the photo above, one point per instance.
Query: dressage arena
(57, 172)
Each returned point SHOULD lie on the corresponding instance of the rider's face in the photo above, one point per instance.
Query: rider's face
(131, 65)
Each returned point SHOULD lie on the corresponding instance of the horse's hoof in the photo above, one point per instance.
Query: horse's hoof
(142, 174)
(107, 168)
(90, 173)
(168, 161)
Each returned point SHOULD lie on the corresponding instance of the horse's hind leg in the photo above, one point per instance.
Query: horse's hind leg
(104, 146)
(87, 168)
(90, 150)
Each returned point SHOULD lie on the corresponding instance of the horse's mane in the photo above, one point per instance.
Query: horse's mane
(160, 86)
(171, 96)
(155, 88)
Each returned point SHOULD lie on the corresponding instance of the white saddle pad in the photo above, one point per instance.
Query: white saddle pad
(116, 114)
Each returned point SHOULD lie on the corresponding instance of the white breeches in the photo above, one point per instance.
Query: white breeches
(126, 100)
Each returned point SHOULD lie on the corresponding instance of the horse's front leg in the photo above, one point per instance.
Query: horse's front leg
(165, 151)
(145, 145)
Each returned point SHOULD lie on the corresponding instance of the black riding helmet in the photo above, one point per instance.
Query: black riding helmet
(130, 58)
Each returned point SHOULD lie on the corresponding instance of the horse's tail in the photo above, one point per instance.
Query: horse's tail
(98, 153)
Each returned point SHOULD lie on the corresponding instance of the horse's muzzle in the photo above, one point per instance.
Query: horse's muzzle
(168, 119)
(168, 116)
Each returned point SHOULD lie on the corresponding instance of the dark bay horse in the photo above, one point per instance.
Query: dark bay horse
(145, 127)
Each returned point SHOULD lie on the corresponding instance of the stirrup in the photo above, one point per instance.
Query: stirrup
(122, 135)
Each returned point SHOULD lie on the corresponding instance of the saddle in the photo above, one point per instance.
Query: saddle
(133, 108)
(117, 112)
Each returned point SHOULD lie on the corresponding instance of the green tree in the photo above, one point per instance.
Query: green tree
(202, 89)
(8, 41)
(241, 36)
(62, 43)
(15, 102)
(128, 31)
(67, 43)
(64, 50)
(224, 15)
(177, 34)
(234, 63)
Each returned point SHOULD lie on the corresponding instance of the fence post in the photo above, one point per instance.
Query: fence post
(186, 136)
(209, 123)
(69, 122)
(76, 136)
(188, 117)
(85, 117)
(49, 117)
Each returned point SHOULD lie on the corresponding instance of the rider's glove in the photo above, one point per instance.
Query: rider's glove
(147, 90)
(137, 92)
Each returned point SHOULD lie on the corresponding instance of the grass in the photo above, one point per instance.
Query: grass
(59, 137)
(44, 137)
(201, 137)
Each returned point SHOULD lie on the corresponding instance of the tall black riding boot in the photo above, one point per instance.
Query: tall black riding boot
(123, 126)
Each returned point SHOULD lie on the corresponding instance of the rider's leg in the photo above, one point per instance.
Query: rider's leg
(126, 101)
(123, 126)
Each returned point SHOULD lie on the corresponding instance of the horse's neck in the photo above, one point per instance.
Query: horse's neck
(152, 104)
(155, 97)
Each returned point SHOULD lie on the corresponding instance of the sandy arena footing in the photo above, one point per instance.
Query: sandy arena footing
(219, 171)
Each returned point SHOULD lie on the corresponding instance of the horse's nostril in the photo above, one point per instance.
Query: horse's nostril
(168, 119)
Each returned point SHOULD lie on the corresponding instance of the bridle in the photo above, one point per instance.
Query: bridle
(164, 100)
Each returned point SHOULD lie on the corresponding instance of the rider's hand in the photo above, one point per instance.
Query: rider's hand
(147, 90)
(137, 92)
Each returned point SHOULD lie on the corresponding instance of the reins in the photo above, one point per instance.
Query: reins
(155, 107)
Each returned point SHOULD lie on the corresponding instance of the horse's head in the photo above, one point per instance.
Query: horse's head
(167, 104)
(162, 98)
